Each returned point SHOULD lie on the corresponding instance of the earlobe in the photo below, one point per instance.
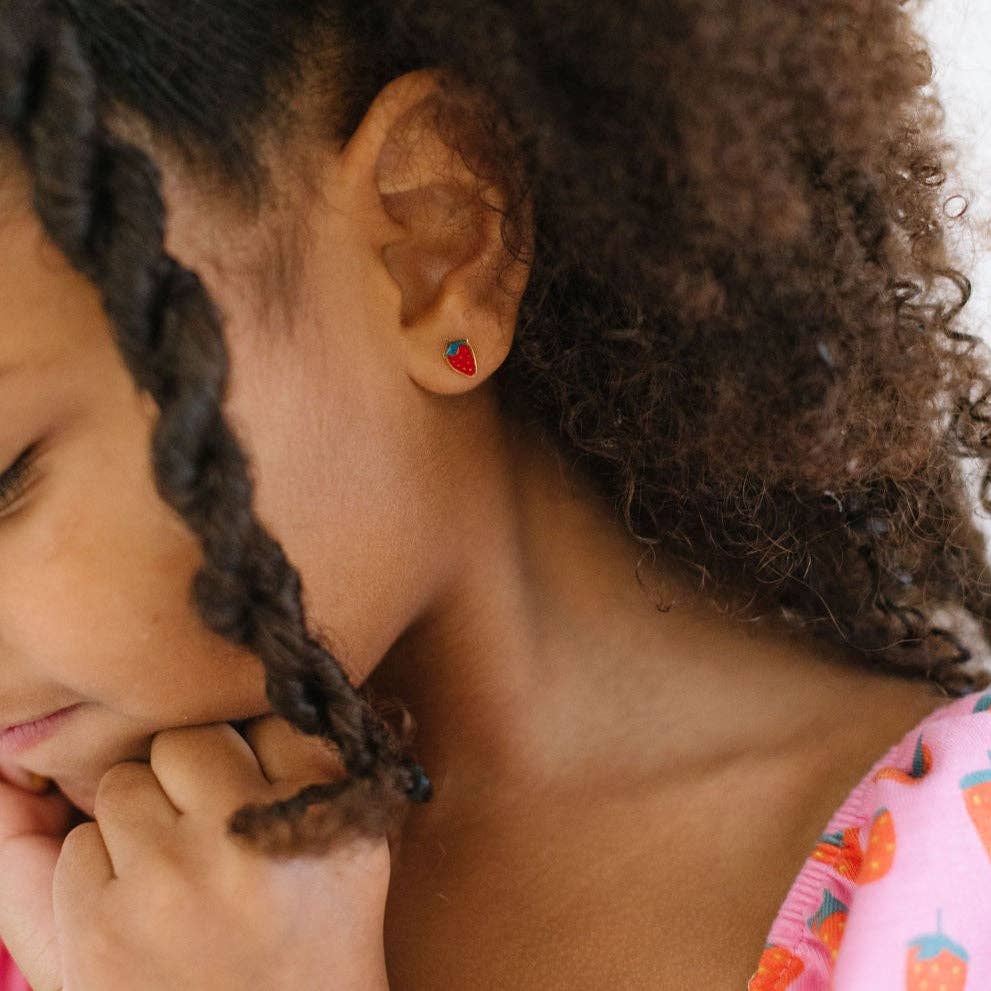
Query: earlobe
(439, 236)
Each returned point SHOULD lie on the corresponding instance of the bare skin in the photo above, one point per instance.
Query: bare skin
(638, 826)
(621, 794)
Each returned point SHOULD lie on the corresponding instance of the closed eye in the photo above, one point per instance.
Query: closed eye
(15, 479)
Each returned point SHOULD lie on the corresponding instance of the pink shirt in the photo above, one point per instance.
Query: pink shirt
(896, 895)
(11, 979)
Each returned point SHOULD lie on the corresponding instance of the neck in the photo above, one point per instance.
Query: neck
(544, 663)
(543, 655)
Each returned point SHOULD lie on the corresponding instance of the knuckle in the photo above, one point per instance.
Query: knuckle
(168, 745)
(79, 836)
(120, 780)
(264, 730)
(177, 742)
(74, 850)
(293, 754)
(164, 742)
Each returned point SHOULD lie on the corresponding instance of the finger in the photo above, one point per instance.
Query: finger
(82, 873)
(27, 919)
(134, 814)
(287, 754)
(209, 768)
(31, 832)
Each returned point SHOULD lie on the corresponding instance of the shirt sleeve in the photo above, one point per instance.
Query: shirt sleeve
(912, 910)
(11, 979)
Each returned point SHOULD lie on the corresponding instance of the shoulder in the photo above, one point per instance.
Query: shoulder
(897, 892)
(920, 903)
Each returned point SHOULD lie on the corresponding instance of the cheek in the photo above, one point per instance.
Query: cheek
(340, 484)
(98, 601)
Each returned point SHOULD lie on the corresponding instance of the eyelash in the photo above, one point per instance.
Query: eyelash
(15, 479)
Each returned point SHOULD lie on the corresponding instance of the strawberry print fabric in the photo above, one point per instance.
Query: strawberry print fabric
(896, 894)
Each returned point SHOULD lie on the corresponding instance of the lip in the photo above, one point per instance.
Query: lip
(16, 739)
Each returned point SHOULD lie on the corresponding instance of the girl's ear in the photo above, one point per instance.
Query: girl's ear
(436, 229)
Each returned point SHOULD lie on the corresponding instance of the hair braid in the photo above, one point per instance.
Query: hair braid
(99, 199)
(738, 331)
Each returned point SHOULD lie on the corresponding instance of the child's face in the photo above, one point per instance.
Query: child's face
(94, 587)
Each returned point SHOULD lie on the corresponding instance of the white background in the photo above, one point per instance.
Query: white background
(959, 36)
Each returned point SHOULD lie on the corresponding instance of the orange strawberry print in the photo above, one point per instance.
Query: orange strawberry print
(922, 762)
(880, 852)
(841, 851)
(976, 788)
(935, 962)
(776, 970)
(829, 921)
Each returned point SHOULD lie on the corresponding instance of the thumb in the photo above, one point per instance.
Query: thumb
(32, 828)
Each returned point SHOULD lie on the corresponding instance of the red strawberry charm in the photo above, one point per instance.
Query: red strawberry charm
(460, 356)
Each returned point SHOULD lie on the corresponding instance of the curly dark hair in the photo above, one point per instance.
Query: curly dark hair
(734, 320)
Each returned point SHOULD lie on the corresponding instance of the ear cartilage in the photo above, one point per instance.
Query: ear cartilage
(461, 357)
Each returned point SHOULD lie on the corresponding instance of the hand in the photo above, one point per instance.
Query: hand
(154, 895)
(33, 824)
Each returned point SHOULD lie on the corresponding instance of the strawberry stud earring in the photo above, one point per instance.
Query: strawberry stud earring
(460, 356)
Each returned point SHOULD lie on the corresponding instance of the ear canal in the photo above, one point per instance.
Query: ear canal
(442, 234)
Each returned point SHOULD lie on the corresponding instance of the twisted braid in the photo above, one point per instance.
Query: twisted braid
(99, 199)
(735, 329)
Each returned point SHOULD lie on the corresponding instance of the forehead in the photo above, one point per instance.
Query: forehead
(47, 309)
